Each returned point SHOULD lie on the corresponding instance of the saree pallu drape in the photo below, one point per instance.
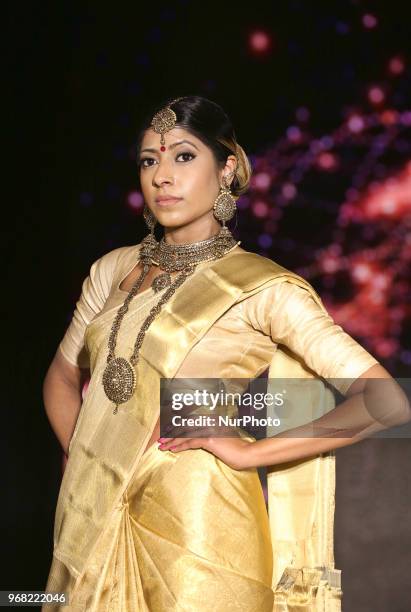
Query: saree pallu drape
(154, 531)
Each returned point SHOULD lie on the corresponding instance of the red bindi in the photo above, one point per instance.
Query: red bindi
(162, 148)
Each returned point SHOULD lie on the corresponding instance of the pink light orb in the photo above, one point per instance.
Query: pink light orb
(327, 161)
(376, 95)
(388, 199)
(294, 133)
(262, 181)
(369, 21)
(329, 264)
(135, 200)
(396, 65)
(260, 209)
(389, 206)
(289, 191)
(260, 42)
(406, 118)
(386, 347)
(355, 124)
(389, 117)
(380, 281)
(361, 272)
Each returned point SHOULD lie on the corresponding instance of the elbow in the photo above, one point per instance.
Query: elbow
(402, 404)
(404, 414)
(400, 409)
(386, 402)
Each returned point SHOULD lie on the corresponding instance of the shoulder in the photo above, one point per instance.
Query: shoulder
(282, 306)
(105, 268)
(289, 293)
(283, 294)
(268, 279)
(116, 256)
(247, 270)
(240, 257)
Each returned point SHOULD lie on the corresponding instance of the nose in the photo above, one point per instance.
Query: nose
(163, 174)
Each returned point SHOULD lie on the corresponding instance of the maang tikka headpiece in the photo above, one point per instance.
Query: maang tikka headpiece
(164, 120)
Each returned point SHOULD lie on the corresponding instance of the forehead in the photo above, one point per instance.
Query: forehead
(152, 140)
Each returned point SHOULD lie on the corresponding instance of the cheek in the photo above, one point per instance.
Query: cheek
(201, 184)
(145, 182)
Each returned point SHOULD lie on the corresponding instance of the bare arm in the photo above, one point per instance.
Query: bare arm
(62, 397)
(374, 402)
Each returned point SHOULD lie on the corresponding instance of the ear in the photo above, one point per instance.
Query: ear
(229, 169)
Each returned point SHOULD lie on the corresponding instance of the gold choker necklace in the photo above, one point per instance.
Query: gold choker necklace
(176, 257)
(119, 376)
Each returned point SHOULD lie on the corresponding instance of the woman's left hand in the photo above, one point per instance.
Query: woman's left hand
(235, 452)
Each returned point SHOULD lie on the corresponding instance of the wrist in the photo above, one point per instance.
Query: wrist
(255, 454)
(261, 453)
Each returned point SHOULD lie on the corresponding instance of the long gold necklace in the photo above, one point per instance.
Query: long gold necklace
(119, 376)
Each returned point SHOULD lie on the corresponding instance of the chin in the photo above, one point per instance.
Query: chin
(172, 218)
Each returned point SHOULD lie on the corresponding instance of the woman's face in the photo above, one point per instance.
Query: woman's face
(186, 170)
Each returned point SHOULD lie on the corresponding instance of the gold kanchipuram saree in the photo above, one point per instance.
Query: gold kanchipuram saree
(156, 531)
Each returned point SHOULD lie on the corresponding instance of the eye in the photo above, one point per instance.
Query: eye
(186, 153)
(141, 163)
(145, 162)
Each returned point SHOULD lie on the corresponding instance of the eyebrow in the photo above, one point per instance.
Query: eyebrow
(172, 146)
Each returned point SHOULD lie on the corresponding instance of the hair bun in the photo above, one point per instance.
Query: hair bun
(243, 172)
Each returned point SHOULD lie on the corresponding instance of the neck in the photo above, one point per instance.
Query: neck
(192, 233)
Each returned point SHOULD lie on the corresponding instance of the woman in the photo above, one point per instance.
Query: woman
(182, 525)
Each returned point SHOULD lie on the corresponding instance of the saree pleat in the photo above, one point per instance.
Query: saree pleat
(162, 550)
(177, 525)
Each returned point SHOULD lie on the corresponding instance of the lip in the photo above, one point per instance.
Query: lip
(166, 200)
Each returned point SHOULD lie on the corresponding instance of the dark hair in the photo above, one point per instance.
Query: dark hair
(209, 123)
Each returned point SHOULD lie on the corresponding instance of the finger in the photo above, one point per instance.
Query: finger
(165, 443)
(185, 445)
(171, 442)
(179, 442)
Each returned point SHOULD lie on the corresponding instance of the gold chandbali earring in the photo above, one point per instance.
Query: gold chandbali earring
(149, 243)
(224, 205)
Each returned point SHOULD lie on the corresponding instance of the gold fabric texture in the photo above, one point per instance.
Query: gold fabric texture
(160, 531)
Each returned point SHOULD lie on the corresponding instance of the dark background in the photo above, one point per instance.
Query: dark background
(80, 77)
